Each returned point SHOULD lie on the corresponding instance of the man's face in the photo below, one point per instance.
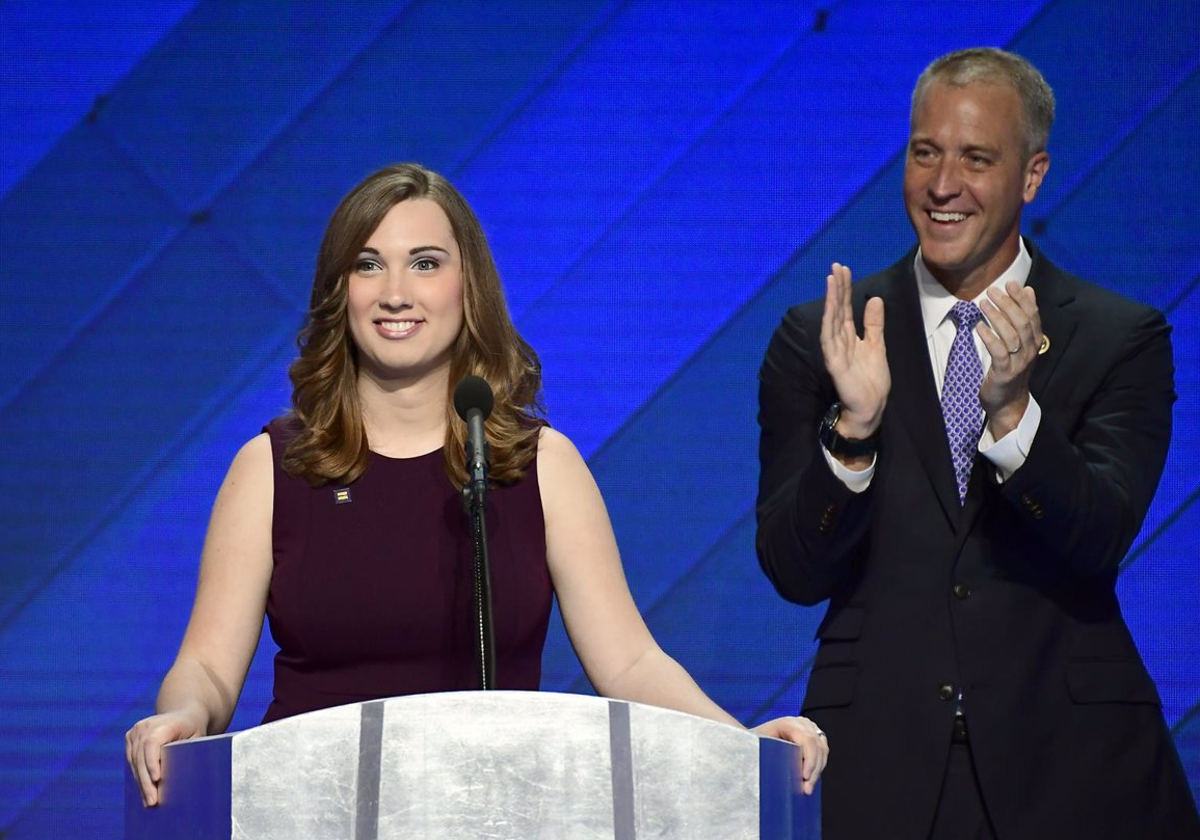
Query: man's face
(965, 182)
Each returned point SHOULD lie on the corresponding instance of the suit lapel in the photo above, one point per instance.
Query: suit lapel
(914, 396)
(1058, 324)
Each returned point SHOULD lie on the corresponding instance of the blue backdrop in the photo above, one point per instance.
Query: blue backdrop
(659, 182)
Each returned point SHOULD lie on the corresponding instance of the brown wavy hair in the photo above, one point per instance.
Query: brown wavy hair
(331, 444)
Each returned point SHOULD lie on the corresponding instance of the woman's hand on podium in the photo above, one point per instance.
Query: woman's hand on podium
(144, 743)
(814, 746)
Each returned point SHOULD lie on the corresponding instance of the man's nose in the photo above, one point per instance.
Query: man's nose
(946, 180)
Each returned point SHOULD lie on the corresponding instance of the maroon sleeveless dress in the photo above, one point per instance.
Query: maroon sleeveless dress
(371, 594)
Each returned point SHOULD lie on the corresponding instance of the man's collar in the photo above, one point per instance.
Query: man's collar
(936, 302)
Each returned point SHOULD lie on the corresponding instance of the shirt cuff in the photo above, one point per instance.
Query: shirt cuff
(1009, 453)
(856, 481)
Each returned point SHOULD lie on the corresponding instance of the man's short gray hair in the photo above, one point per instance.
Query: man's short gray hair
(994, 66)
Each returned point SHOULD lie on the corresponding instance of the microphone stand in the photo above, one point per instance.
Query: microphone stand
(474, 500)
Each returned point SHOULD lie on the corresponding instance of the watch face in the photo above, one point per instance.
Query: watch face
(832, 415)
(825, 434)
(838, 445)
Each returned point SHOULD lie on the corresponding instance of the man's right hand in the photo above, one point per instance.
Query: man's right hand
(858, 366)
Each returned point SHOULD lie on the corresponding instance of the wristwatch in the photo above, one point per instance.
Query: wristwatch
(838, 445)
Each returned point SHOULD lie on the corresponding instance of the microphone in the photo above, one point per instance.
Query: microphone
(473, 401)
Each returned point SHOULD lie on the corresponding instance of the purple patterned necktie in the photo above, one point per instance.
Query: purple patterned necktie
(960, 394)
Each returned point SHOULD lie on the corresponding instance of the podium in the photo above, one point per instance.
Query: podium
(496, 764)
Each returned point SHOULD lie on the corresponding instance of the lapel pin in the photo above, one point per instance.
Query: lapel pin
(341, 496)
(1045, 345)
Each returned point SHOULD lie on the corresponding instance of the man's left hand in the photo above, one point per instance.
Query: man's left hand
(1013, 339)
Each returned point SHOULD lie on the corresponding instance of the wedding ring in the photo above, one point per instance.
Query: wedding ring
(1015, 351)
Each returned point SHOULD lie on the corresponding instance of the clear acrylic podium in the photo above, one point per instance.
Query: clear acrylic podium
(497, 764)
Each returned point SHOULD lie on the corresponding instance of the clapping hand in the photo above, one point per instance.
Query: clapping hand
(858, 366)
(1013, 336)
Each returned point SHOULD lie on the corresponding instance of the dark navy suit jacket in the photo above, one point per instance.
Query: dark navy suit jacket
(1009, 599)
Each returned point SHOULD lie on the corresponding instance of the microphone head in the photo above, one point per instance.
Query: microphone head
(473, 393)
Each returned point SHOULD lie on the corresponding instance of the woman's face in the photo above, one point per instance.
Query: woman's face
(405, 297)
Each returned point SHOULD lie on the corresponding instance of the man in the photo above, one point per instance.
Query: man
(962, 494)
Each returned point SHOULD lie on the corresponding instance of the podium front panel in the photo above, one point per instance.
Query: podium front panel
(299, 777)
(502, 764)
(473, 763)
(683, 786)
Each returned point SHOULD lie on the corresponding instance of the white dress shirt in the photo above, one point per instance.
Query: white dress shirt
(1007, 454)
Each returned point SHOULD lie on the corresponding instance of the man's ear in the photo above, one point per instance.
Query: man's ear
(1035, 171)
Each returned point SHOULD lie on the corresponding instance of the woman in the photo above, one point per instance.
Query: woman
(344, 524)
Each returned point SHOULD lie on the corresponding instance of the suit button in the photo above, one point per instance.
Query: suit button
(962, 591)
(946, 692)
(827, 517)
(1032, 505)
